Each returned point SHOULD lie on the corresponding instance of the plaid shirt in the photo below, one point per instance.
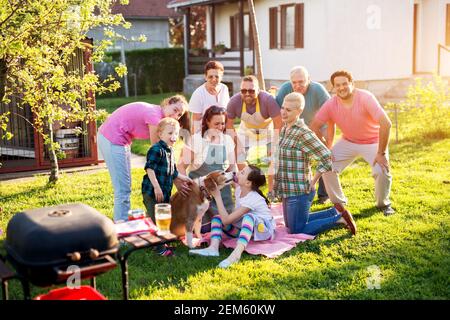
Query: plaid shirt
(295, 151)
(160, 158)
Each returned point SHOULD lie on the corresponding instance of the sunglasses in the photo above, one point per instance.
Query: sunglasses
(250, 91)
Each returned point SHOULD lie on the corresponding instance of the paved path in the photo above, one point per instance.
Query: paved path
(137, 161)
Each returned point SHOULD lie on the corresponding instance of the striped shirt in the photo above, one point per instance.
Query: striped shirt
(296, 149)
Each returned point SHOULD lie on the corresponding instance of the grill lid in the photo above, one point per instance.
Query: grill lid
(51, 235)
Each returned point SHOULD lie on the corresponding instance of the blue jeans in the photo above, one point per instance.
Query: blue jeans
(299, 220)
(117, 159)
(321, 191)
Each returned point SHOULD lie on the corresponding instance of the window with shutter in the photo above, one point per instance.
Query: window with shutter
(234, 32)
(233, 40)
(299, 25)
(273, 28)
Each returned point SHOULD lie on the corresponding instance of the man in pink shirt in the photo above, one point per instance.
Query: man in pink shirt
(365, 130)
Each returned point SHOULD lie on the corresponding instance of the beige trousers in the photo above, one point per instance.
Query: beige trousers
(344, 153)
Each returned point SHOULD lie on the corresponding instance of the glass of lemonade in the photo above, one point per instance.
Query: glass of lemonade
(163, 216)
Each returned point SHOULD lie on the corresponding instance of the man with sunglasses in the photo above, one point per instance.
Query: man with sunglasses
(260, 120)
(315, 96)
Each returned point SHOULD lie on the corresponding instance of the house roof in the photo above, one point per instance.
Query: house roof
(145, 9)
(187, 3)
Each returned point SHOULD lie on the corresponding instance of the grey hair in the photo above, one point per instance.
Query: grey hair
(299, 69)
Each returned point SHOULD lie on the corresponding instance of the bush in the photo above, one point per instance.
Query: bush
(425, 111)
(157, 70)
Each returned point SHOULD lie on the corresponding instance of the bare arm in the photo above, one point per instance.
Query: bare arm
(186, 158)
(196, 123)
(315, 126)
(384, 133)
(331, 131)
(228, 218)
(153, 134)
(158, 192)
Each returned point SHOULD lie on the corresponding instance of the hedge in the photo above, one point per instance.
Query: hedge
(157, 70)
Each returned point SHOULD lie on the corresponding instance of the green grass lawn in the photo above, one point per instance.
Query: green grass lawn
(410, 248)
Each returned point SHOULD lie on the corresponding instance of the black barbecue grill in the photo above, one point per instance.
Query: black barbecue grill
(43, 245)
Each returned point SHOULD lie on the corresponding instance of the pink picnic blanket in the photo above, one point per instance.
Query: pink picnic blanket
(283, 241)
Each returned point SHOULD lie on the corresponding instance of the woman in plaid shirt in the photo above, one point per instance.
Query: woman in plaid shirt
(298, 145)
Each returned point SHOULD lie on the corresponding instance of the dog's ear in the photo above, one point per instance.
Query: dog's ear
(210, 185)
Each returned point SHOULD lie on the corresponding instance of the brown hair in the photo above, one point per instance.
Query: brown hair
(184, 120)
(209, 113)
(251, 78)
(258, 179)
(341, 73)
(216, 65)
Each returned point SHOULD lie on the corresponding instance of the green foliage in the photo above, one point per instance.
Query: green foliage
(157, 70)
(39, 39)
(425, 111)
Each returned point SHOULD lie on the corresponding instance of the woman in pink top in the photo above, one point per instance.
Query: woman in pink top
(136, 120)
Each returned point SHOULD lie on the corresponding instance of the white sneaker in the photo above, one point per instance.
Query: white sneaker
(225, 264)
(206, 252)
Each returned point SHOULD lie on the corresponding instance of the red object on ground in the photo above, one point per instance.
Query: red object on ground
(82, 293)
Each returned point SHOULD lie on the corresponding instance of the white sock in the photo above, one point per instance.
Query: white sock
(211, 251)
(234, 257)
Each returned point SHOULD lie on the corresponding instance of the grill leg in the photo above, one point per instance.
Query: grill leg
(5, 290)
(124, 269)
(26, 289)
(93, 283)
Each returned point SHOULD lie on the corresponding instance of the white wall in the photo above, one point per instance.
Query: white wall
(156, 31)
(432, 24)
(338, 34)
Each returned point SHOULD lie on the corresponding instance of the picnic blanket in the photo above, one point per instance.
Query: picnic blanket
(283, 241)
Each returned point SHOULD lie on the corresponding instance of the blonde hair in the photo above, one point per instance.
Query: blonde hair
(165, 122)
(296, 98)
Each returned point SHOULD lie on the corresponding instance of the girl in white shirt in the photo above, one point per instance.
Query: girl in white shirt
(250, 219)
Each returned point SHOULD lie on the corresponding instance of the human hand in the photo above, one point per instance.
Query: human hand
(382, 161)
(159, 194)
(183, 187)
(215, 193)
(185, 179)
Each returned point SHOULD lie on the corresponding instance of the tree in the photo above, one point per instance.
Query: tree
(257, 45)
(197, 28)
(38, 38)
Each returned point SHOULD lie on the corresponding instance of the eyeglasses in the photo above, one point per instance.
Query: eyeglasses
(249, 91)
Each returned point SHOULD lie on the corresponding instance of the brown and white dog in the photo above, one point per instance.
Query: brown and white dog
(187, 212)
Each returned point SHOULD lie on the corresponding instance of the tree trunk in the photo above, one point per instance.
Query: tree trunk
(54, 171)
(3, 72)
(256, 45)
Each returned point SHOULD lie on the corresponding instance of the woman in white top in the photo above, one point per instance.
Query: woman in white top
(212, 93)
(251, 218)
(210, 150)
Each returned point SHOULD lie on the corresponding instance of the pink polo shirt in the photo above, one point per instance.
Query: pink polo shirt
(360, 123)
(131, 122)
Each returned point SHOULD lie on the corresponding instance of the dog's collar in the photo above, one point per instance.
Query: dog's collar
(206, 194)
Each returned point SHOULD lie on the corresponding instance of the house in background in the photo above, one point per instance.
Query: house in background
(385, 44)
(149, 18)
